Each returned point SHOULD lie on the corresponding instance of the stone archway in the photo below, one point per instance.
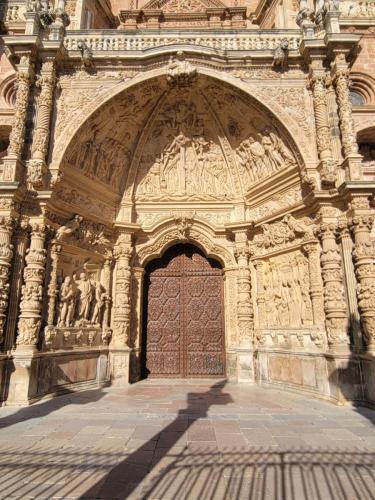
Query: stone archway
(183, 315)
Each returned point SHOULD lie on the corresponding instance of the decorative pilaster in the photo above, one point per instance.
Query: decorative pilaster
(340, 77)
(6, 254)
(121, 320)
(334, 299)
(364, 261)
(32, 291)
(316, 289)
(17, 135)
(323, 137)
(20, 245)
(36, 167)
(244, 304)
(261, 296)
(350, 279)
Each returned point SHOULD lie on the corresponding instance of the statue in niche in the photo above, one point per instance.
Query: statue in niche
(66, 303)
(99, 297)
(84, 298)
(69, 228)
(264, 154)
(286, 285)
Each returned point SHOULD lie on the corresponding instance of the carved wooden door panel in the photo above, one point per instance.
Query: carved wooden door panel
(184, 311)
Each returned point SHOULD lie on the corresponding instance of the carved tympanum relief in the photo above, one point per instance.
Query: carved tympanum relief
(165, 142)
(183, 156)
(287, 291)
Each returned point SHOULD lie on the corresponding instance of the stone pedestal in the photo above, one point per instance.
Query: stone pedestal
(23, 380)
(120, 366)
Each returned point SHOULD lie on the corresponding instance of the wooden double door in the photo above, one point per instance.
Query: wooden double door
(183, 315)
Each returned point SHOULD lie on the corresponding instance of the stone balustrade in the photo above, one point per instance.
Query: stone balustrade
(115, 40)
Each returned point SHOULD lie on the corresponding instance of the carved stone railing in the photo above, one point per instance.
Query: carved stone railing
(116, 41)
(355, 9)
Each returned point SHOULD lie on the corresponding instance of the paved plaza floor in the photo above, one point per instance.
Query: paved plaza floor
(187, 440)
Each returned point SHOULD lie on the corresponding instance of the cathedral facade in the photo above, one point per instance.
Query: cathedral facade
(187, 190)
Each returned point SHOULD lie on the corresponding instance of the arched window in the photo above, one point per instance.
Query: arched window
(356, 99)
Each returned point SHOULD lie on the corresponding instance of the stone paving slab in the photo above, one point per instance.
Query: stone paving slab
(215, 441)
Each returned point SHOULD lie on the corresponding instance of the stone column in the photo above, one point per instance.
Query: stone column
(24, 380)
(120, 350)
(36, 167)
(245, 316)
(316, 289)
(364, 261)
(261, 296)
(50, 332)
(334, 299)
(32, 291)
(20, 244)
(6, 255)
(323, 137)
(350, 280)
(107, 283)
(340, 77)
(12, 162)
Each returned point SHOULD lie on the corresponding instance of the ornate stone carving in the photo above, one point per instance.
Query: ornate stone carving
(121, 315)
(323, 137)
(32, 290)
(280, 55)
(264, 155)
(364, 261)
(69, 228)
(286, 282)
(180, 72)
(81, 302)
(37, 166)
(334, 298)
(316, 286)
(282, 234)
(244, 302)
(17, 135)
(341, 83)
(6, 254)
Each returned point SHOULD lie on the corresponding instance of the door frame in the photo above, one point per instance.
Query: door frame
(183, 350)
